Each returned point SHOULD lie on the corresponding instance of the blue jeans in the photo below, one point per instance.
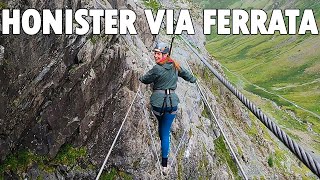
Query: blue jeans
(165, 120)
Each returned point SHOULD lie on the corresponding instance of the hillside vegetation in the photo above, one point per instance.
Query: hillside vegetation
(283, 70)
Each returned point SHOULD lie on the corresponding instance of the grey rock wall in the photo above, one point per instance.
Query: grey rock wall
(58, 89)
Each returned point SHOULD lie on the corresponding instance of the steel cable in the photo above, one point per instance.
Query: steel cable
(296, 149)
(115, 139)
(219, 126)
(151, 136)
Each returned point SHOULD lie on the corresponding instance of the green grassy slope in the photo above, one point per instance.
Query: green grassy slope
(282, 69)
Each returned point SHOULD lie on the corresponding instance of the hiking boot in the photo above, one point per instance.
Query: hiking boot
(165, 170)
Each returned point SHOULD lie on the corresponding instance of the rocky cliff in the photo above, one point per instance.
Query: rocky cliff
(64, 97)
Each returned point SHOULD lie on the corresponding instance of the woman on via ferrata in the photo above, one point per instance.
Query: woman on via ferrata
(164, 101)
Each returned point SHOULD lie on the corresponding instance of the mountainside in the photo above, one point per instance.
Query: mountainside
(279, 72)
(64, 97)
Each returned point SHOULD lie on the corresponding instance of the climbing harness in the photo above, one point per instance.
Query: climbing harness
(167, 94)
(167, 91)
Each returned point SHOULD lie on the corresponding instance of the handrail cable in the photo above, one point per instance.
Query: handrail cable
(295, 148)
(151, 136)
(178, 147)
(115, 139)
(180, 142)
(204, 98)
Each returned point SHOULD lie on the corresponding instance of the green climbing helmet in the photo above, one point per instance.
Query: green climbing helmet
(162, 47)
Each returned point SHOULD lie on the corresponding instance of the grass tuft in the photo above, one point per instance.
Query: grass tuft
(224, 155)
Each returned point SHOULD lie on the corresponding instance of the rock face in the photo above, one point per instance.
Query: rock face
(58, 89)
(69, 89)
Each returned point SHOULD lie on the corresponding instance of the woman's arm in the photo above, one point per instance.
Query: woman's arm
(150, 76)
(186, 75)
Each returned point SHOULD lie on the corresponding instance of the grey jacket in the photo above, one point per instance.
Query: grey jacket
(165, 77)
